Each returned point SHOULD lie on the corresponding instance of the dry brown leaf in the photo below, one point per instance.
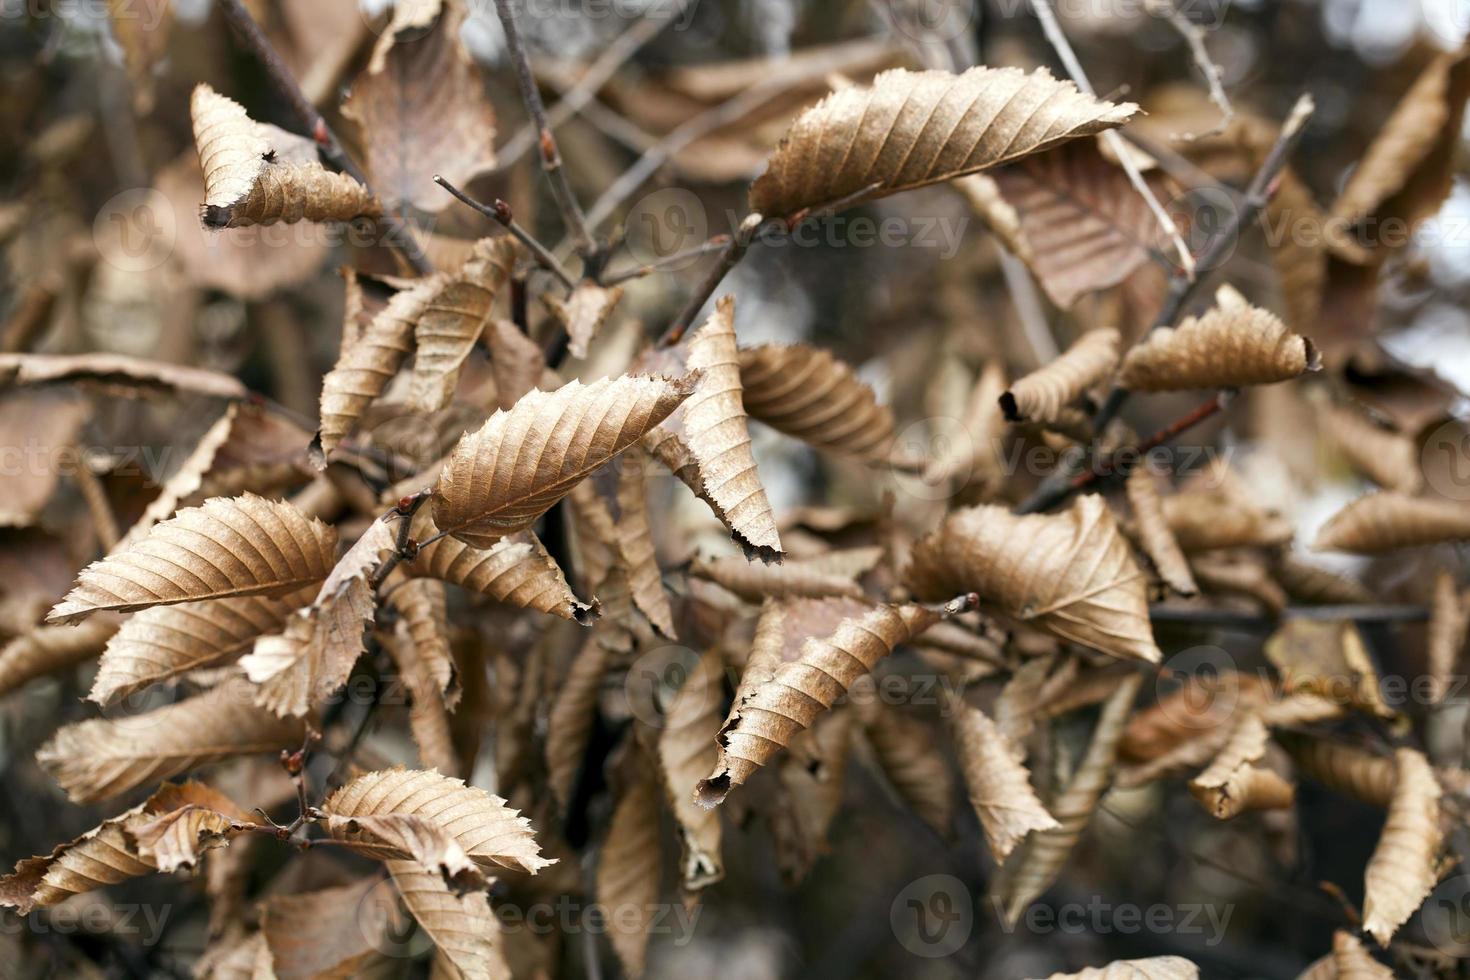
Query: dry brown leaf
(1154, 968)
(509, 472)
(187, 479)
(1242, 574)
(1231, 785)
(572, 714)
(1406, 173)
(1203, 520)
(904, 749)
(301, 666)
(812, 777)
(1070, 574)
(423, 607)
(1449, 618)
(810, 395)
(1154, 532)
(1387, 457)
(974, 458)
(1402, 871)
(331, 933)
(1042, 395)
(516, 570)
(628, 866)
(1314, 585)
(464, 928)
(1352, 961)
(583, 313)
(1386, 521)
(452, 320)
(493, 835)
(998, 782)
(686, 752)
(118, 373)
(228, 547)
(1344, 769)
(1328, 659)
(832, 574)
(423, 112)
(167, 642)
(1233, 345)
(1084, 225)
(397, 836)
(1034, 865)
(516, 361)
(706, 442)
(48, 424)
(163, 833)
(420, 649)
(46, 649)
(766, 717)
(100, 758)
(911, 129)
(256, 174)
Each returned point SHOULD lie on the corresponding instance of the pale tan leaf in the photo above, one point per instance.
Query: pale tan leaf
(998, 782)
(982, 192)
(1387, 457)
(1071, 574)
(452, 320)
(313, 656)
(1042, 395)
(911, 129)
(1202, 520)
(1328, 659)
(812, 776)
(1233, 345)
(516, 361)
(331, 934)
(258, 175)
(46, 424)
(463, 927)
(118, 372)
(142, 30)
(766, 718)
(686, 751)
(428, 842)
(491, 833)
(1314, 585)
(628, 866)
(1154, 532)
(166, 642)
(832, 574)
(1402, 871)
(1344, 769)
(810, 395)
(1352, 961)
(1034, 866)
(179, 822)
(1154, 968)
(975, 458)
(515, 570)
(426, 676)
(904, 750)
(573, 712)
(187, 479)
(424, 610)
(503, 476)
(1231, 785)
(46, 649)
(228, 547)
(423, 111)
(1387, 521)
(1449, 618)
(706, 442)
(583, 313)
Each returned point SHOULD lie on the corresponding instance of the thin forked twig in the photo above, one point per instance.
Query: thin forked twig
(501, 213)
(713, 244)
(1063, 48)
(1194, 36)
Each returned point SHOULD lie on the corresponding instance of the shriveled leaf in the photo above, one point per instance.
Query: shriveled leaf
(1352, 961)
(910, 129)
(810, 395)
(583, 313)
(1232, 784)
(1328, 659)
(46, 649)
(1154, 533)
(464, 929)
(228, 547)
(118, 373)
(812, 777)
(1402, 871)
(1344, 768)
(419, 648)
(503, 476)
(686, 752)
(429, 842)
(832, 574)
(1042, 395)
(335, 932)
(573, 712)
(256, 174)
(515, 570)
(187, 479)
(975, 458)
(1387, 521)
(1202, 520)
(628, 866)
(1071, 574)
(1154, 968)
(179, 822)
(1313, 585)
(1449, 618)
(453, 319)
(1233, 345)
(1387, 457)
(999, 785)
(100, 758)
(904, 750)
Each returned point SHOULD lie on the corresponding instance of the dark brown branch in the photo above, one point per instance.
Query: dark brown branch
(500, 212)
(713, 244)
(734, 251)
(400, 237)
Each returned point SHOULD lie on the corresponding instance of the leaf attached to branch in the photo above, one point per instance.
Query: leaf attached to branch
(1042, 395)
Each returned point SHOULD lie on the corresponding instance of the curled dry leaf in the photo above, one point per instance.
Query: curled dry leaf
(999, 784)
(1202, 520)
(424, 610)
(1042, 395)
(911, 129)
(976, 458)
(334, 932)
(1343, 768)
(1242, 574)
(766, 718)
(1070, 574)
(509, 472)
(832, 574)
(46, 649)
(583, 313)
(257, 175)
(1387, 457)
(187, 479)
(1314, 585)
(686, 751)
(1233, 345)
(395, 836)
(573, 712)
(1352, 961)
(313, 656)
(1231, 785)
(163, 833)
(129, 376)
(1402, 871)
(419, 649)
(228, 547)
(1449, 618)
(904, 750)
(1154, 968)
(452, 320)
(628, 865)
(808, 394)
(812, 777)
(706, 442)
(464, 928)
(1328, 659)
(515, 570)
(1154, 532)
(491, 833)
(1386, 521)
(100, 758)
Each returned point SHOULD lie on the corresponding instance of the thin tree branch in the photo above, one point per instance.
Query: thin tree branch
(561, 189)
(501, 213)
(713, 244)
(400, 237)
(734, 251)
(1063, 47)
(1194, 36)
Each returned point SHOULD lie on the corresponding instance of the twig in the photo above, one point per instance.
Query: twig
(405, 549)
(1028, 306)
(561, 189)
(1194, 36)
(713, 244)
(734, 250)
(1063, 48)
(501, 213)
(399, 235)
(95, 497)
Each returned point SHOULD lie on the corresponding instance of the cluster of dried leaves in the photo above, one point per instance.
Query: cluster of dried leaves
(478, 533)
